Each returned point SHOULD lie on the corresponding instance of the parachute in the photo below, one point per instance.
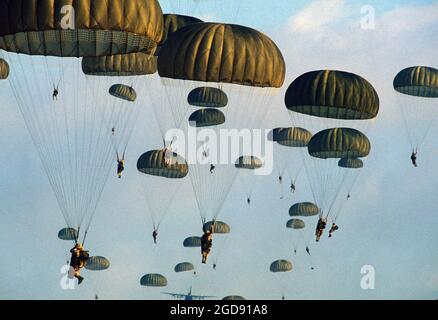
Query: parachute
(352, 163)
(418, 82)
(192, 242)
(353, 166)
(120, 65)
(303, 209)
(291, 137)
(192, 254)
(333, 94)
(69, 130)
(186, 62)
(290, 159)
(248, 165)
(233, 297)
(100, 264)
(184, 266)
(154, 163)
(417, 90)
(219, 227)
(68, 234)
(136, 26)
(339, 143)
(4, 69)
(97, 263)
(326, 149)
(161, 170)
(281, 266)
(295, 224)
(341, 101)
(123, 92)
(180, 61)
(206, 118)
(153, 280)
(208, 97)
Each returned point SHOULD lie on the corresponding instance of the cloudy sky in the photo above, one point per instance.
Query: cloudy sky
(390, 223)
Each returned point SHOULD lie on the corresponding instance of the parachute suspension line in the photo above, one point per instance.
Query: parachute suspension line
(307, 169)
(50, 151)
(105, 151)
(158, 208)
(85, 238)
(32, 125)
(335, 198)
(159, 214)
(77, 235)
(203, 221)
(210, 203)
(408, 131)
(73, 157)
(177, 98)
(425, 134)
(353, 181)
(76, 160)
(158, 98)
(125, 117)
(417, 111)
(251, 183)
(349, 188)
(55, 80)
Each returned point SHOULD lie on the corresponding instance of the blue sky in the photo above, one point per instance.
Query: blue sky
(390, 222)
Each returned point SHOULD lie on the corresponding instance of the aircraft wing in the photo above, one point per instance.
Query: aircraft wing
(175, 295)
(202, 297)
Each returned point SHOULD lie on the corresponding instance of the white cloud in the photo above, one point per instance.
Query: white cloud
(410, 19)
(318, 14)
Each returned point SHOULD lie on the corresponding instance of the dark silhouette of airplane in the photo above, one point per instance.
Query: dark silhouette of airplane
(189, 296)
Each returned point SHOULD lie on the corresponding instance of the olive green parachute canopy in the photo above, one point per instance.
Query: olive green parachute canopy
(291, 137)
(219, 227)
(123, 92)
(120, 65)
(192, 242)
(153, 280)
(352, 163)
(333, 94)
(417, 81)
(215, 52)
(248, 162)
(233, 298)
(295, 224)
(206, 118)
(339, 143)
(163, 164)
(303, 209)
(4, 69)
(174, 22)
(68, 234)
(99, 28)
(281, 266)
(207, 97)
(184, 266)
(97, 263)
